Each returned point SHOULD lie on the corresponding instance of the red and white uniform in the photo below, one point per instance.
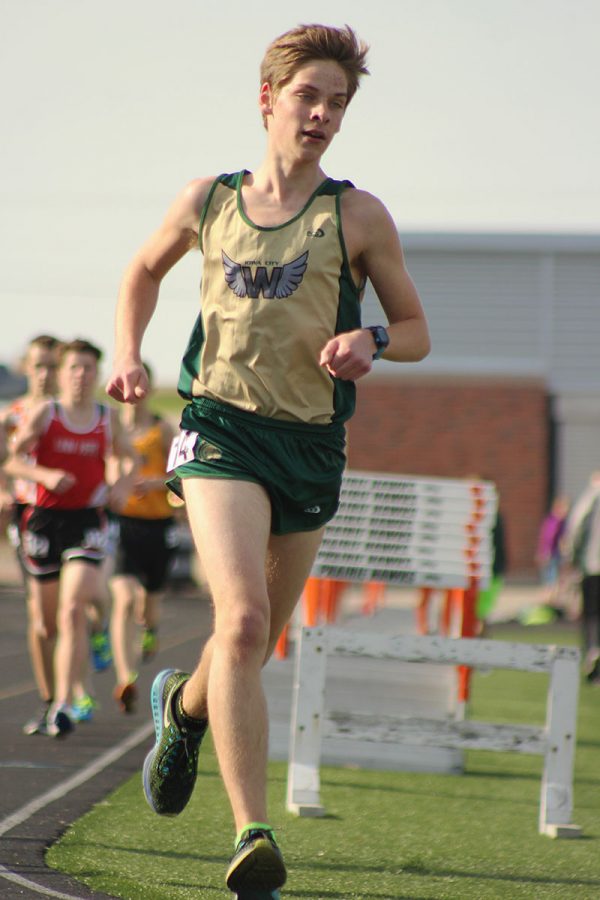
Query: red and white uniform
(79, 451)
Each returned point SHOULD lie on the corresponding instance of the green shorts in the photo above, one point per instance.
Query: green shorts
(300, 466)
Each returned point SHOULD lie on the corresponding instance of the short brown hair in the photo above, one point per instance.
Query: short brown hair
(45, 341)
(80, 345)
(305, 43)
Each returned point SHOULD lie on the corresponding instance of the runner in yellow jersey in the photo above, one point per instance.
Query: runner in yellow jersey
(147, 540)
(269, 374)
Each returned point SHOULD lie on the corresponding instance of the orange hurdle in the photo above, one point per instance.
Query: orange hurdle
(320, 603)
(373, 593)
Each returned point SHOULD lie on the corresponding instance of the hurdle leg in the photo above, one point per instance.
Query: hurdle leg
(311, 601)
(308, 701)
(373, 592)
(468, 626)
(282, 646)
(556, 801)
(333, 589)
(453, 601)
(422, 610)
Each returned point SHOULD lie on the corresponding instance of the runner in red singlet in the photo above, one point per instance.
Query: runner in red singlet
(64, 533)
(40, 364)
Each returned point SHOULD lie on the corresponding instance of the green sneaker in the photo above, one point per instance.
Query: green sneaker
(257, 868)
(149, 644)
(100, 650)
(171, 766)
(83, 709)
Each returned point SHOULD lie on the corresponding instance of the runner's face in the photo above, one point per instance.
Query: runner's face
(308, 111)
(78, 375)
(41, 366)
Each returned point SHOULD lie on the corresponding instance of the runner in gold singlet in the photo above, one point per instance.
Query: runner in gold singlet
(147, 539)
(269, 373)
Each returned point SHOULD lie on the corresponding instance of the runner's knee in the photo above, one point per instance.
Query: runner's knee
(244, 631)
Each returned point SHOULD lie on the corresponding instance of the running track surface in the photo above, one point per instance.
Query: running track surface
(45, 783)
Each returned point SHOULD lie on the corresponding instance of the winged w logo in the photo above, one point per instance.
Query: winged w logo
(282, 281)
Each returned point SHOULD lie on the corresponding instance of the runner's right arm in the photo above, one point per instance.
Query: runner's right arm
(138, 295)
(24, 441)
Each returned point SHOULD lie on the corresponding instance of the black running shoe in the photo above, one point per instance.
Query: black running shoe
(258, 895)
(171, 766)
(58, 722)
(257, 866)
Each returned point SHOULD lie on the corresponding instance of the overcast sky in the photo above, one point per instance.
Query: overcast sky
(478, 115)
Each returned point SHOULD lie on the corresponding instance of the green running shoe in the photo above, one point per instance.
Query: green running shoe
(171, 766)
(257, 868)
(100, 650)
(149, 644)
(83, 709)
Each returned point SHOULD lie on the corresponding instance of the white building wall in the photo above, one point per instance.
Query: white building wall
(575, 363)
(516, 305)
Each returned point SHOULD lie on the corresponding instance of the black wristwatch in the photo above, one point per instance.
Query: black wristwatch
(381, 338)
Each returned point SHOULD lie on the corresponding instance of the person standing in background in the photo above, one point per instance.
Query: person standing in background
(549, 549)
(581, 547)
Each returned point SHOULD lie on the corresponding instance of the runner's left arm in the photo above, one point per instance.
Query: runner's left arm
(375, 253)
(122, 465)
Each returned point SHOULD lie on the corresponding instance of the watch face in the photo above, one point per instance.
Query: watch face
(381, 337)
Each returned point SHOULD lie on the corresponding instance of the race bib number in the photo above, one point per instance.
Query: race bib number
(183, 448)
(95, 539)
(35, 545)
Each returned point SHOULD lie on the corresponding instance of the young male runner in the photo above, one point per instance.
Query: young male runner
(147, 540)
(40, 364)
(63, 531)
(269, 373)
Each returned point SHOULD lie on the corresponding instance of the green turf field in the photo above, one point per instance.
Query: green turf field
(387, 835)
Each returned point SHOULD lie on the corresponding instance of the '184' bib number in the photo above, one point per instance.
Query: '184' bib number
(182, 449)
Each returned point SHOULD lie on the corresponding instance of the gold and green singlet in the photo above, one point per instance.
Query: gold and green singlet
(271, 299)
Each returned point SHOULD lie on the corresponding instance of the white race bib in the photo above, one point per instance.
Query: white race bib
(182, 450)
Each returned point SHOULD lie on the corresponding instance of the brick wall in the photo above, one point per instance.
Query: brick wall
(497, 429)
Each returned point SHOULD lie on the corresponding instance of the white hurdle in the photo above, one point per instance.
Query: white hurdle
(555, 741)
(408, 530)
(405, 530)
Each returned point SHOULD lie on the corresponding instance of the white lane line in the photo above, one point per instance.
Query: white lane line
(16, 690)
(58, 792)
(32, 886)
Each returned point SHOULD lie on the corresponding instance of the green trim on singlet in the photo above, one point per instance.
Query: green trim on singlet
(206, 207)
(349, 295)
(349, 318)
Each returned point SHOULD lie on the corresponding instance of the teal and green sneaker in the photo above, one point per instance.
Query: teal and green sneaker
(100, 650)
(171, 766)
(257, 869)
(83, 709)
